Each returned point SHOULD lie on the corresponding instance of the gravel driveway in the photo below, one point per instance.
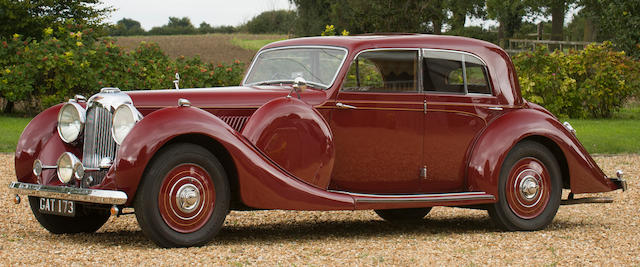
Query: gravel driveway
(592, 234)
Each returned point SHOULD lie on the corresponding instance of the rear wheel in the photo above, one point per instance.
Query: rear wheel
(529, 189)
(183, 198)
(87, 220)
(403, 215)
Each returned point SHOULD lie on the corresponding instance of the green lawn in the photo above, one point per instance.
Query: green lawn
(252, 44)
(10, 128)
(618, 135)
(613, 136)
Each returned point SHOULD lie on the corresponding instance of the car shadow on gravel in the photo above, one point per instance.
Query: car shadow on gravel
(318, 230)
(364, 229)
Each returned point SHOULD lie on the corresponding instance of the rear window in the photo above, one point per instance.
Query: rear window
(453, 72)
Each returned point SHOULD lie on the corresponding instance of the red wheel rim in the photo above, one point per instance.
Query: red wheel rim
(186, 198)
(528, 188)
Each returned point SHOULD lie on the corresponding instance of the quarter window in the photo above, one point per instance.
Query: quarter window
(383, 71)
(451, 72)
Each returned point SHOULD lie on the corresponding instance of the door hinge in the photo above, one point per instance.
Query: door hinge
(423, 172)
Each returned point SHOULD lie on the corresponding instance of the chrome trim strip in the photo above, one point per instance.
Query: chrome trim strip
(444, 197)
(70, 193)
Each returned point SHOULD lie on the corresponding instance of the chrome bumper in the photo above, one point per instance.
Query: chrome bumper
(70, 193)
(620, 183)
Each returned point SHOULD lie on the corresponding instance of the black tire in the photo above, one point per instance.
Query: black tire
(403, 215)
(529, 189)
(87, 220)
(188, 166)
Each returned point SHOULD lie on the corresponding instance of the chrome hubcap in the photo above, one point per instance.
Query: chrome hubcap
(187, 198)
(529, 187)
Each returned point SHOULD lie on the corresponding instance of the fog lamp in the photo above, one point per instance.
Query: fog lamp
(37, 167)
(69, 166)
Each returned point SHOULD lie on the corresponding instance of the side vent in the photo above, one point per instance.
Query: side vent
(236, 122)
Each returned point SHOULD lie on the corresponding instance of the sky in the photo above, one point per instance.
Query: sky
(152, 13)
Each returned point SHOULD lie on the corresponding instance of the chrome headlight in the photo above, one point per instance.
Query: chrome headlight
(71, 120)
(69, 166)
(125, 117)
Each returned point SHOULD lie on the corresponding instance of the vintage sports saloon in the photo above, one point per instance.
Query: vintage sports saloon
(396, 124)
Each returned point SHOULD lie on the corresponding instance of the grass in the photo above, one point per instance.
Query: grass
(11, 127)
(621, 134)
(253, 45)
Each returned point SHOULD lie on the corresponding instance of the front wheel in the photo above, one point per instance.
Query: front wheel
(529, 189)
(183, 198)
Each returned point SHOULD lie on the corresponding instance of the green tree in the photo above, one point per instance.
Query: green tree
(312, 16)
(460, 10)
(618, 21)
(509, 14)
(126, 27)
(175, 26)
(368, 16)
(275, 21)
(30, 17)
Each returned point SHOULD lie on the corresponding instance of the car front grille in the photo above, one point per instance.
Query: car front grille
(98, 143)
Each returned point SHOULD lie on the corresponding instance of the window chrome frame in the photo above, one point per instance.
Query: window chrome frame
(464, 66)
(418, 74)
(335, 75)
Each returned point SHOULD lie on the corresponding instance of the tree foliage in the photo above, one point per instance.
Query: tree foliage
(619, 21)
(276, 21)
(174, 26)
(127, 27)
(30, 17)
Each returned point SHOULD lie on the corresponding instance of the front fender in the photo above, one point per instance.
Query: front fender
(502, 134)
(261, 183)
(40, 140)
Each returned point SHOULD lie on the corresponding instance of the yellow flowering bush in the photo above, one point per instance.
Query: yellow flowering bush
(589, 83)
(72, 60)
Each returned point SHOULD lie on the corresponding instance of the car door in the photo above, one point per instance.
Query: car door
(459, 99)
(378, 124)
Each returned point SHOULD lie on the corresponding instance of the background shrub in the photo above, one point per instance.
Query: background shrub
(72, 60)
(590, 83)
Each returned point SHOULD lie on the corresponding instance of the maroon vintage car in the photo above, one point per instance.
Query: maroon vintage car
(396, 124)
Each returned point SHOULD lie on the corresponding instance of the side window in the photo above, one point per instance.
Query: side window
(450, 72)
(383, 71)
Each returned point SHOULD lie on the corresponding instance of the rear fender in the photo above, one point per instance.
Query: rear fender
(506, 131)
(261, 183)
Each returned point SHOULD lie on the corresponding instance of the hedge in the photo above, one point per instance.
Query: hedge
(590, 83)
(73, 60)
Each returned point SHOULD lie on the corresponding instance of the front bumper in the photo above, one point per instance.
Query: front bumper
(97, 196)
(620, 183)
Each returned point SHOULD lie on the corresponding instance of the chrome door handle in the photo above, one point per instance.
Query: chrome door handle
(345, 106)
(495, 108)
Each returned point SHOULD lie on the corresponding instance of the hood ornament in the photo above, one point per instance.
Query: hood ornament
(177, 81)
(299, 85)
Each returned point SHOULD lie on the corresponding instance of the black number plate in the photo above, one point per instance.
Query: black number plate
(57, 207)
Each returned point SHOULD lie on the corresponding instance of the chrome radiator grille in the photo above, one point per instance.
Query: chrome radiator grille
(236, 122)
(98, 143)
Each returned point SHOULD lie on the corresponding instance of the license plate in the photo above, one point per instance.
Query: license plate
(57, 207)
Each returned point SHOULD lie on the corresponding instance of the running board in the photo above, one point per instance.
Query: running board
(587, 200)
(376, 201)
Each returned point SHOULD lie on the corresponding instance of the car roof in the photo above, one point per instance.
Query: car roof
(361, 42)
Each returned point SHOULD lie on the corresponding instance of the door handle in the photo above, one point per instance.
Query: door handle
(345, 106)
